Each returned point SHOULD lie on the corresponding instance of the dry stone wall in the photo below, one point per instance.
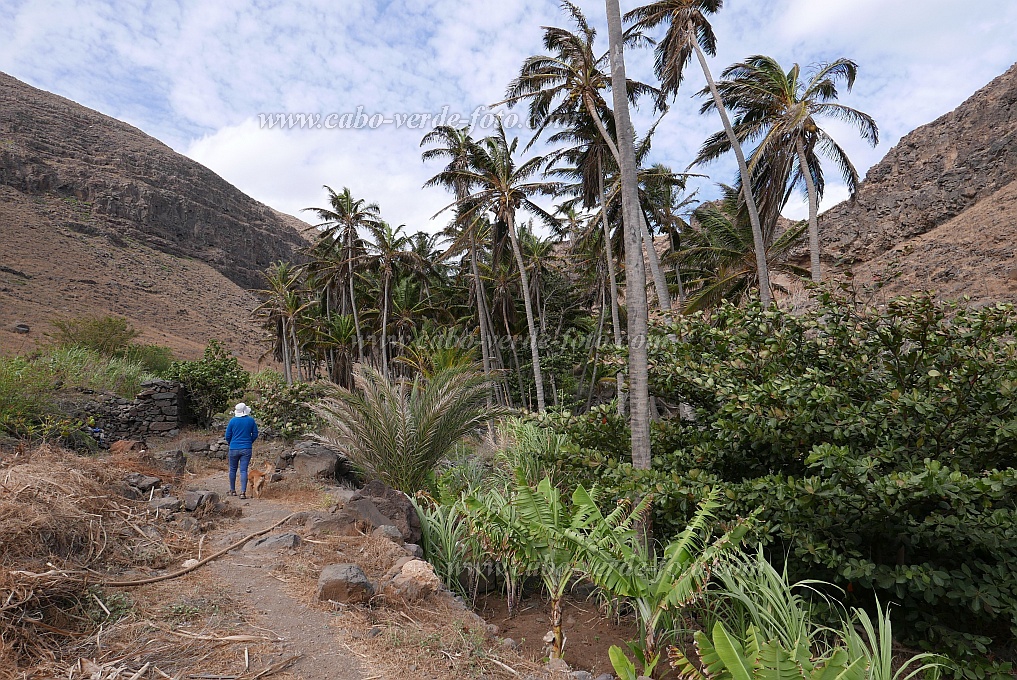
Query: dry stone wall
(158, 411)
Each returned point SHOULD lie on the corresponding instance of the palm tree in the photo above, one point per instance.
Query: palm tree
(565, 88)
(664, 200)
(778, 110)
(635, 287)
(500, 186)
(398, 431)
(340, 228)
(718, 261)
(454, 144)
(390, 252)
(689, 32)
(281, 308)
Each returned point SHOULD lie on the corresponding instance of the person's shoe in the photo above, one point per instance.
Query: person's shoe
(231, 492)
(243, 496)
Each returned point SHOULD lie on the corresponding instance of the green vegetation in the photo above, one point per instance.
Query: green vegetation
(212, 382)
(111, 337)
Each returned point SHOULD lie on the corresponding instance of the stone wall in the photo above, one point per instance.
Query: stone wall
(158, 411)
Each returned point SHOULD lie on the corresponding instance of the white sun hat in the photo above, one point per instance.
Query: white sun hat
(241, 409)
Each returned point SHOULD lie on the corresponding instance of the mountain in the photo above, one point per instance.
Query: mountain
(99, 218)
(938, 212)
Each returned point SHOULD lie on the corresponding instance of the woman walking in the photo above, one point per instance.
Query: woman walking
(240, 435)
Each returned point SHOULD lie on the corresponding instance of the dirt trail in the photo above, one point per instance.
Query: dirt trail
(247, 575)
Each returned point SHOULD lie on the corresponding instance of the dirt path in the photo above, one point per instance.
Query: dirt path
(247, 575)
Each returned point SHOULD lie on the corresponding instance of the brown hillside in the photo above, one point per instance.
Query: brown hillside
(100, 218)
(932, 176)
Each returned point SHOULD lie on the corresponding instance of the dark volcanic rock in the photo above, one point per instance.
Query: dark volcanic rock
(933, 174)
(144, 189)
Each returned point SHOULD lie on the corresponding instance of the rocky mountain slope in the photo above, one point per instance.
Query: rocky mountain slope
(98, 217)
(938, 211)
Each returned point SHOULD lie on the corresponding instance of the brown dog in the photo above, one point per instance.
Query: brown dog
(258, 478)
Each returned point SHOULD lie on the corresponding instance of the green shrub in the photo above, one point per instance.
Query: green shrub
(285, 409)
(880, 448)
(156, 359)
(105, 335)
(77, 367)
(212, 382)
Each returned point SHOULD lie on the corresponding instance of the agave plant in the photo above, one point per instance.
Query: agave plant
(396, 431)
(446, 540)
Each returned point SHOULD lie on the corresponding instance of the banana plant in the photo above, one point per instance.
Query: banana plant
(659, 583)
(724, 657)
(544, 518)
(495, 522)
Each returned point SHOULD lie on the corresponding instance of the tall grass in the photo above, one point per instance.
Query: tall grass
(76, 367)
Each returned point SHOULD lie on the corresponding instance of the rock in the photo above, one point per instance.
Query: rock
(394, 505)
(189, 563)
(316, 462)
(162, 427)
(190, 524)
(167, 504)
(344, 583)
(581, 675)
(605, 676)
(415, 580)
(21, 328)
(287, 541)
(390, 532)
(226, 510)
(276, 477)
(173, 462)
(143, 483)
(414, 550)
(557, 666)
(195, 446)
(508, 643)
(130, 493)
(196, 499)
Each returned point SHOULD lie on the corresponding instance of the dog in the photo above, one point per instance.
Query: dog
(258, 478)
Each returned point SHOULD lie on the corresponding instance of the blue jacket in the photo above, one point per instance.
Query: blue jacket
(241, 432)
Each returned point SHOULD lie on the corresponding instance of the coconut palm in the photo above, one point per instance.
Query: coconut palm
(282, 306)
(690, 33)
(340, 227)
(565, 88)
(717, 260)
(500, 186)
(777, 110)
(390, 252)
(635, 287)
(454, 144)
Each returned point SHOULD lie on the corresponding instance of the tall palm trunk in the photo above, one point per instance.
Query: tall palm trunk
(485, 349)
(659, 282)
(762, 268)
(515, 357)
(531, 325)
(635, 284)
(296, 347)
(353, 301)
(810, 186)
(287, 367)
(615, 323)
(384, 327)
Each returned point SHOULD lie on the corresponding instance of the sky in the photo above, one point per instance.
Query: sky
(207, 77)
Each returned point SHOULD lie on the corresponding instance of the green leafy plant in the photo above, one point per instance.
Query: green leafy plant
(397, 431)
(212, 382)
(105, 335)
(446, 539)
(286, 409)
(659, 583)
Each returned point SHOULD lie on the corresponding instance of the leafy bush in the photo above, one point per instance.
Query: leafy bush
(879, 446)
(212, 382)
(285, 409)
(77, 367)
(105, 335)
(156, 359)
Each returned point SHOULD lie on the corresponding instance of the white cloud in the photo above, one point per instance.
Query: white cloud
(197, 74)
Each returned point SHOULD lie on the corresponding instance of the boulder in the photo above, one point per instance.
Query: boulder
(189, 524)
(414, 550)
(316, 462)
(396, 506)
(410, 580)
(287, 541)
(143, 483)
(167, 504)
(357, 517)
(173, 462)
(21, 328)
(197, 499)
(344, 583)
(390, 532)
